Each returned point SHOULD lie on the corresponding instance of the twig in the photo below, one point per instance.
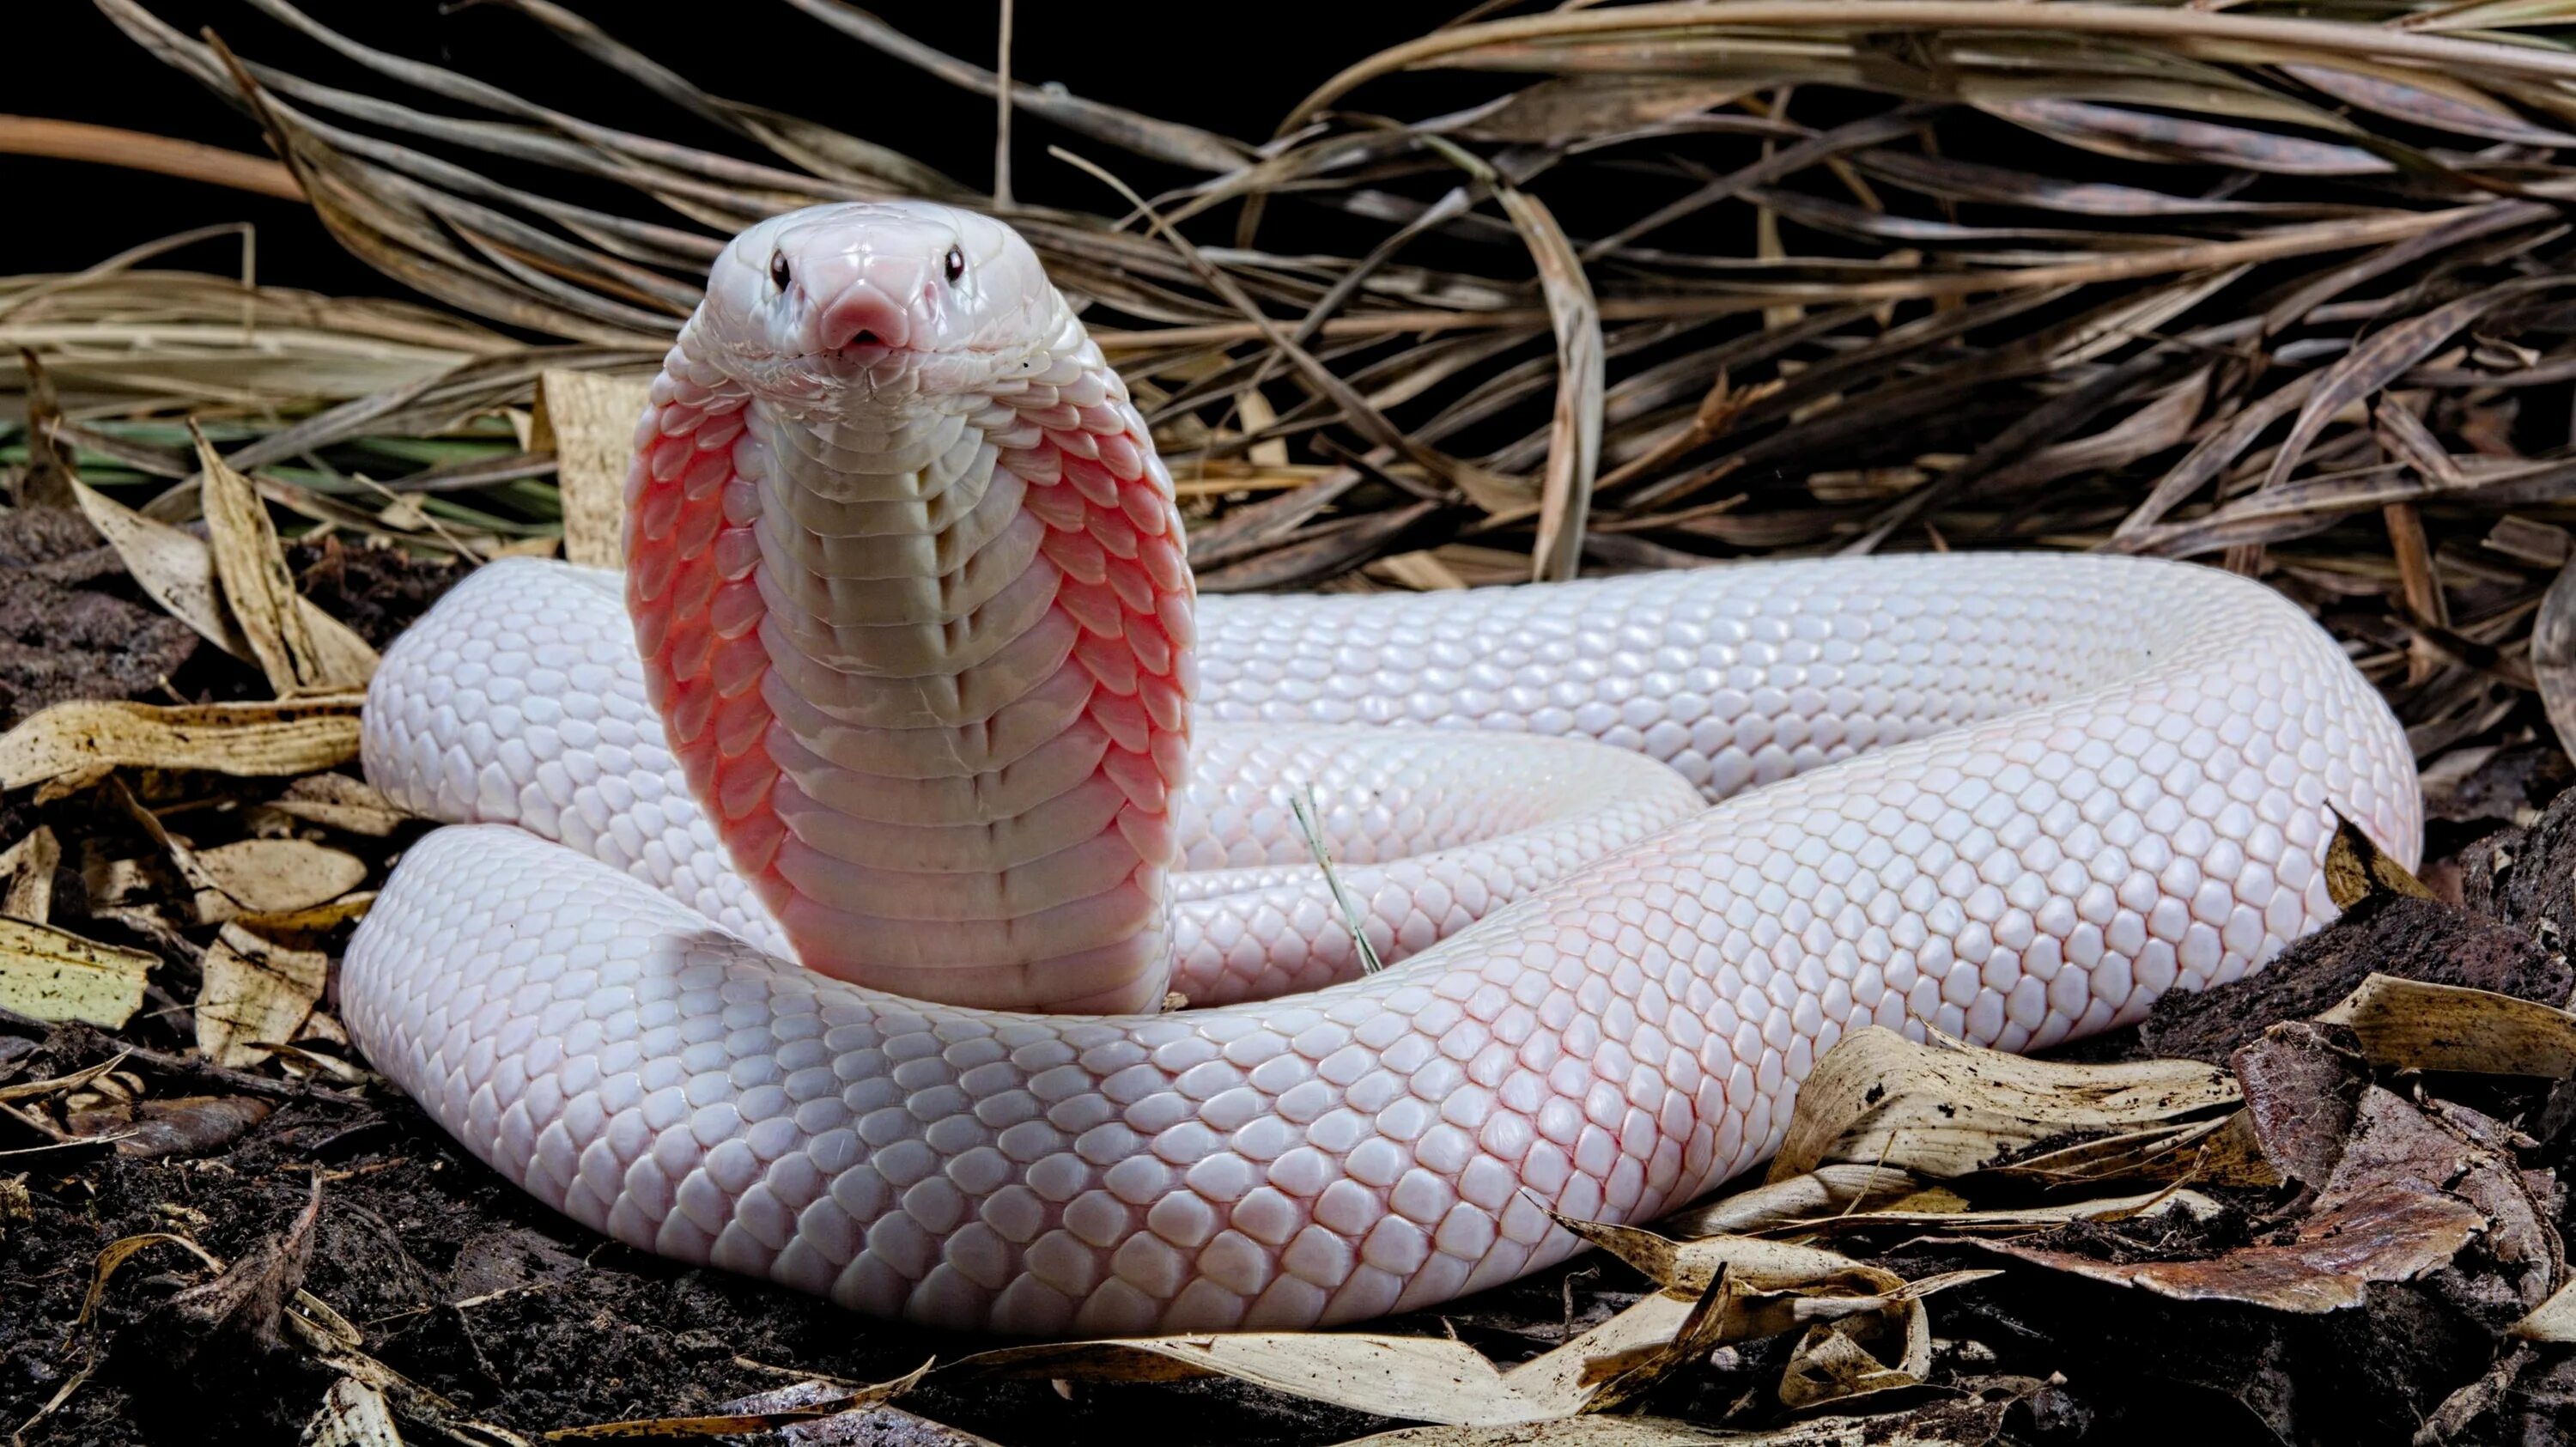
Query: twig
(1302, 804)
(184, 1068)
(141, 151)
(1002, 116)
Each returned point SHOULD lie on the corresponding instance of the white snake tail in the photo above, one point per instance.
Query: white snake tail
(908, 691)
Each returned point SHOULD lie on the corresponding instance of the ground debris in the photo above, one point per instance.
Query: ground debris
(2303, 1083)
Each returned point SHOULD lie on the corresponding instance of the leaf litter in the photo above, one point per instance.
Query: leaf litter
(2274, 289)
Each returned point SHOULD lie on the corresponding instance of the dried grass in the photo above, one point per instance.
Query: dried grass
(2277, 287)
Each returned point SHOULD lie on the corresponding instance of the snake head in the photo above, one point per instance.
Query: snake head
(897, 301)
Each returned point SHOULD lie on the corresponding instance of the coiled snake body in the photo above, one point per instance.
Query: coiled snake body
(904, 686)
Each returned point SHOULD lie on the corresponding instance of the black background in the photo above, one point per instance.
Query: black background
(1230, 67)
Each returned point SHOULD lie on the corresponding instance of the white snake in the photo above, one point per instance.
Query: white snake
(914, 625)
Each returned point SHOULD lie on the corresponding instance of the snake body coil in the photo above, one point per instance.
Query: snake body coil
(909, 683)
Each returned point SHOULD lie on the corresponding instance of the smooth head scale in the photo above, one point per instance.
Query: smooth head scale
(911, 594)
(879, 305)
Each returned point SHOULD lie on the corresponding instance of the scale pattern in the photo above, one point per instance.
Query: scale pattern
(2012, 798)
(929, 665)
(519, 700)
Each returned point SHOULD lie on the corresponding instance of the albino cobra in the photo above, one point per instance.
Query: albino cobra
(902, 688)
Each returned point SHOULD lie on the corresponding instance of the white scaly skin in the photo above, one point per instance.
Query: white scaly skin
(2012, 798)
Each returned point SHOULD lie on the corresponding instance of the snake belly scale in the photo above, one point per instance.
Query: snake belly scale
(792, 874)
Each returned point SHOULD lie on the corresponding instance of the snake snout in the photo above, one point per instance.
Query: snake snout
(863, 316)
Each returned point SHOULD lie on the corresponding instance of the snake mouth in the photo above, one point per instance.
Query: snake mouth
(866, 350)
(863, 325)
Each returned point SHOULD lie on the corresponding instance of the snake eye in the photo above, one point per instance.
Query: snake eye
(956, 264)
(778, 273)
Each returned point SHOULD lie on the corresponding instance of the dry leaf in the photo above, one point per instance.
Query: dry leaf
(2553, 1320)
(2356, 869)
(2219, 1150)
(2553, 654)
(2022, 1218)
(337, 801)
(1971, 1423)
(175, 568)
(353, 1415)
(1619, 1378)
(1413, 1379)
(1946, 1109)
(51, 974)
(2387, 1234)
(1423, 572)
(1755, 1288)
(117, 1252)
(588, 419)
(272, 876)
(1685, 1268)
(27, 876)
(307, 926)
(1825, 1191)
(1829, 1365)
(190, 1125)
(1560, 1383)
(84, 740)
(302, 649)
(1569, 1432)
(2303, 1082)
(255, 993)
(806, 1402)
(1574, 435)
(2392, 1210)
(2415, 1025)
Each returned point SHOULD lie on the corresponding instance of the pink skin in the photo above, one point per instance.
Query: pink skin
(1982, 810)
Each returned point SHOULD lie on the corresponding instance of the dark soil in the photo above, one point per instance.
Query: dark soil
(2389, 934)
(515, 1316)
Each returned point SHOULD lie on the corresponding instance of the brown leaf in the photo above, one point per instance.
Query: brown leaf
(2425, 98)
(46, 479)
(116, 1253)
(255, 993)
(1417, 1379)
(1829, 1364)
(2387, 1234)
(1825, 1191)
(83, 741)
(1574, 435)
(2421, 1025)
(303, 650)
(27, 876)
(1685, 1268)
(1952, 1215)
(2303, 1083)
(190, 1125)
(2553, 1320)
(2553, 654)
(806, 1403)
(2382, 358)
(2146, 135)
(1945, 1109)
(251, 1296)
(2211, 1150)
(175, 568)
(2356, 869)
(339, 802)
(588, 420)
(353, 1414)
(1578, 1432)
(272, 876)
